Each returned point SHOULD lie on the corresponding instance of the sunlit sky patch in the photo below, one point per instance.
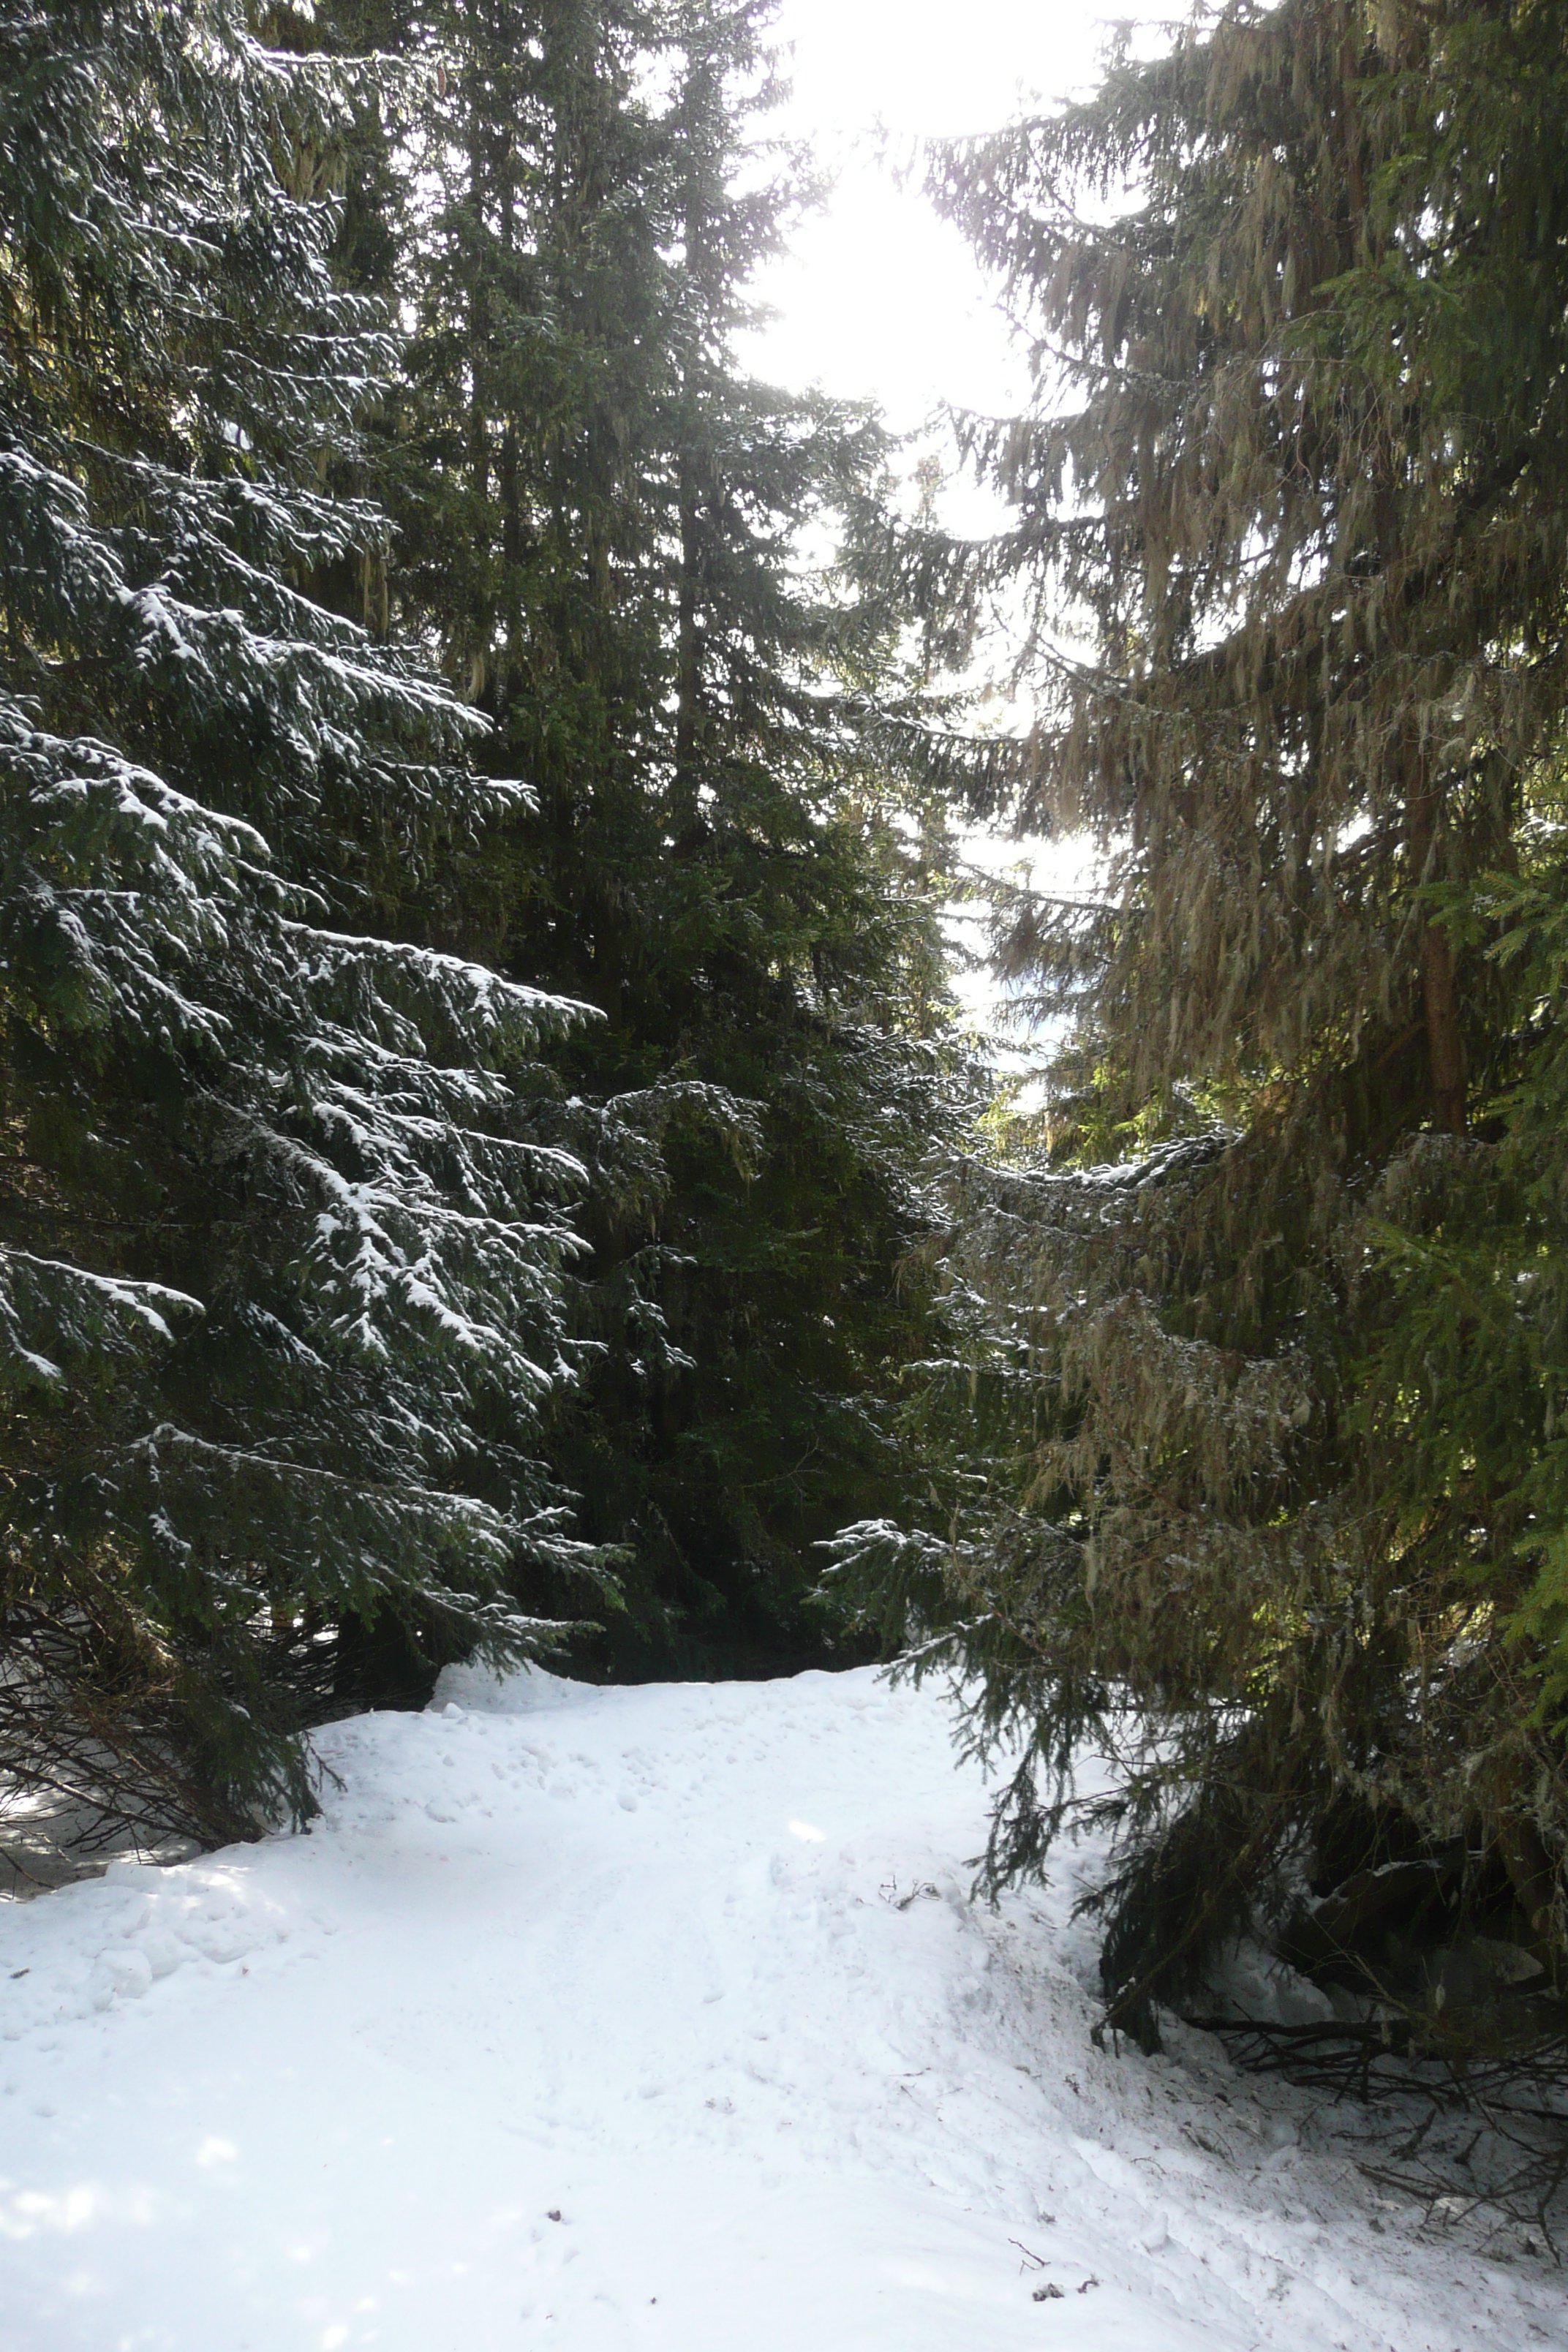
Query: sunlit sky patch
(877, 298)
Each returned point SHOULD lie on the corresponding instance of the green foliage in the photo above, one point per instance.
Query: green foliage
(1279, 1523)
(602, 524)
(420, 1189)
(281, 1287)
(1462, 1400)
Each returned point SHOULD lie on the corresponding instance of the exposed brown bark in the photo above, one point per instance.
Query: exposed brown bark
(687, 653)
(686, 706)
(375, 592)
(478, 344)
(1356, 211)
(1444, 1044)
(1439, 989)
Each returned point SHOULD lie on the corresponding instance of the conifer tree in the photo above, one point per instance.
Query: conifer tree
(600, 521)
(281, 1289)
(1274, 1308)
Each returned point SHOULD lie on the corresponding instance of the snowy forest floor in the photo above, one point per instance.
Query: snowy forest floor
(661, 2017)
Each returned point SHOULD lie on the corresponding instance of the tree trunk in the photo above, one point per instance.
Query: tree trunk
(1439, 990)
(1445, 1045)
(686, 694)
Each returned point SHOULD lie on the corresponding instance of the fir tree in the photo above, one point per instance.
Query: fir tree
(1282, 1480)
(282, 1294)
(600, 521)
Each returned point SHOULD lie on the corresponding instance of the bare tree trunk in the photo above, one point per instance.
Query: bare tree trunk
(1439, 989)
(685, 691)
(1445, 1045)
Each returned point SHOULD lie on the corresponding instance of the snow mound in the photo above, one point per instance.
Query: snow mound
(479, 1690)
(657, 2020)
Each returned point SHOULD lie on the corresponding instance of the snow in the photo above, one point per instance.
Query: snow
(658, 2018)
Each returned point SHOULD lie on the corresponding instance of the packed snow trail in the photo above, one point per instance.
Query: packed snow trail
(655, 2018)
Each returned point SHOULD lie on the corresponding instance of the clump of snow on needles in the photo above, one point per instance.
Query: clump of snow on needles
(618, 2020)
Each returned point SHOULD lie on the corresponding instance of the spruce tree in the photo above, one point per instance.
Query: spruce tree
(600, 521)
(1272, 1303)
(282, 1289)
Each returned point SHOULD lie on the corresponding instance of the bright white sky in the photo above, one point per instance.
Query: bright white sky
(881, 299)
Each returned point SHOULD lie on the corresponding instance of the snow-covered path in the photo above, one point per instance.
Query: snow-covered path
(653, 2018)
